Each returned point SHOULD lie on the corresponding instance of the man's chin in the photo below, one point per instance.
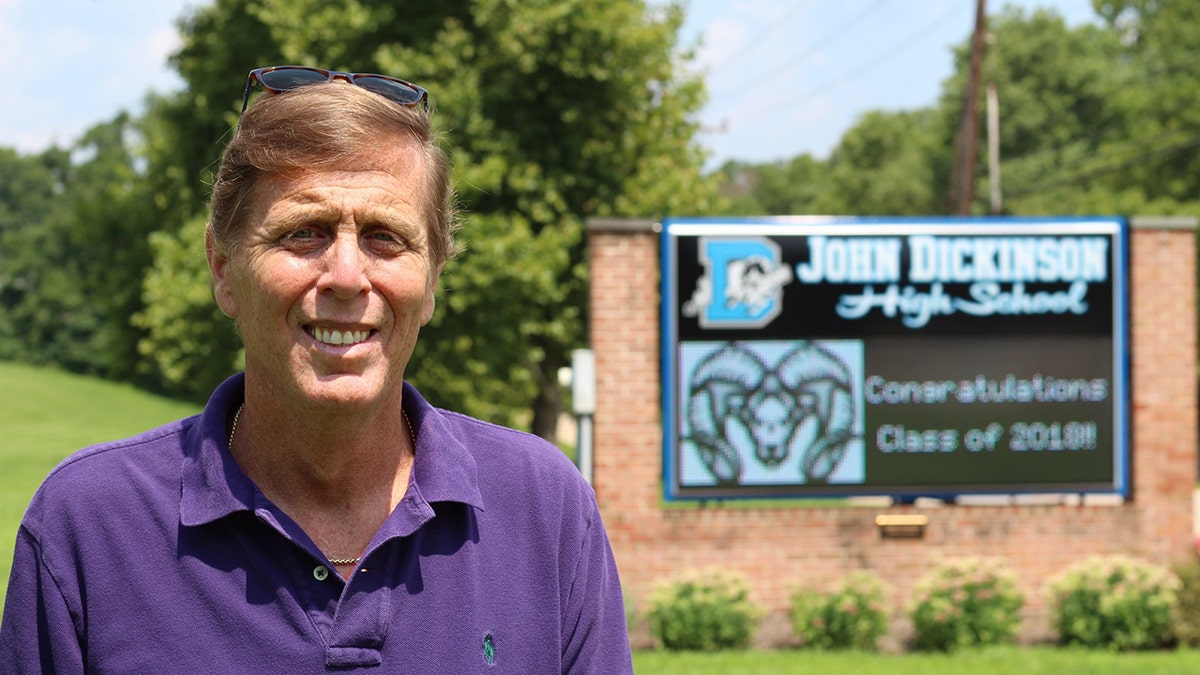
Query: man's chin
(345, 389)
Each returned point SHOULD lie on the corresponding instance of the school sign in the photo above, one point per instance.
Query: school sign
(901, 357)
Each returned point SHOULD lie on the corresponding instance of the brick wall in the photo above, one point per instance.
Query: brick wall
(779, 547)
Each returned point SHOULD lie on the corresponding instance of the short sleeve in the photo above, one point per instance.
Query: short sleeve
(37, 633)
(595, 636)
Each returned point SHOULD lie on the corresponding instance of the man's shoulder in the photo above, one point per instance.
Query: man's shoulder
(158, 442)
(97, 476)
(523, 462)
(488, 440)
(477, 428)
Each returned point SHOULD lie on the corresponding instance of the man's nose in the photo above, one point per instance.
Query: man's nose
(345, 272)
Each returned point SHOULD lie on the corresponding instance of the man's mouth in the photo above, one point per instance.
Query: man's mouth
(338, 338)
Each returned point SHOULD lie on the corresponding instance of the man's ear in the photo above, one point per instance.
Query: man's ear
(431, 295)
(218, 266)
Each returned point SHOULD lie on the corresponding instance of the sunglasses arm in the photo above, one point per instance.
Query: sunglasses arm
(246, 95)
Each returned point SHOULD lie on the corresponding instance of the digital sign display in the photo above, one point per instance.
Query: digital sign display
(901, 357)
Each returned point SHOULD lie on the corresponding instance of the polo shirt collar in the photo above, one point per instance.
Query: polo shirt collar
(214, 486)
(444, 469)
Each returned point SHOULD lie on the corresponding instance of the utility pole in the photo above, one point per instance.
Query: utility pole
(993, 117)
(962, 179)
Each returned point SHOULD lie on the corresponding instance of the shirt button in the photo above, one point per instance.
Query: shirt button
(320, 573)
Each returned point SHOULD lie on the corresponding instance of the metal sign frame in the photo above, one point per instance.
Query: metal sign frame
(829, 356)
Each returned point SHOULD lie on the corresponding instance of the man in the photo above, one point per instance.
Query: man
(319, 515)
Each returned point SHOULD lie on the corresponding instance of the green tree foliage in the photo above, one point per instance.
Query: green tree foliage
(794, 186)
(75, 236)
(29, 195)
(45, 317)
(1162, 108)
(559, 111)
(884, 165)
(190, 342)
(29, 187)
(1057, 88)
(552, 111)
(186, 132)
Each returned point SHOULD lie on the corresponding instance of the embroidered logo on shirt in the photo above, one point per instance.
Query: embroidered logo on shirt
(489, 649)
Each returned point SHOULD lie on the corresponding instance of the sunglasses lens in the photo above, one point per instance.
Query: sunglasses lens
(286, 79)
(278, 79)
(396, 91)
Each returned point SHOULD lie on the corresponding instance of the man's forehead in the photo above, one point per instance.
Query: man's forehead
(317, 186)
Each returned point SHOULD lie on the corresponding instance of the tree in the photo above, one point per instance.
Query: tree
(1057, 87)
(1161, 102)
(778, 188)
(31, 209)
(191, 343)
(554, 112)
(81, 232)
(884, 165)
(1068, 134)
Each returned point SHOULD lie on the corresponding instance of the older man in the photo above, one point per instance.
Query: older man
(319, 515)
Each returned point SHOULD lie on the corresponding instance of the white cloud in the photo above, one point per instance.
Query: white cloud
(104, 57)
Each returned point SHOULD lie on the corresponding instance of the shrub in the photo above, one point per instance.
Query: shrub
(1116, 602)
(1186, 624)
(964, 602)
(852, 614)
(703, 610)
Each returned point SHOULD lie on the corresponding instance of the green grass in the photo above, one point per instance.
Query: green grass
(992, 661)
(46, 415)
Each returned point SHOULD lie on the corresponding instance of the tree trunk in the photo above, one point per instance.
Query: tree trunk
(548, 403)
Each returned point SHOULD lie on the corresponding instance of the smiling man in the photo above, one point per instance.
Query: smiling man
(320, 515)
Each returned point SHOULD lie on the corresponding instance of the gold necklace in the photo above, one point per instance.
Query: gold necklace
(412, 435)
(237, 416)
(233, 430)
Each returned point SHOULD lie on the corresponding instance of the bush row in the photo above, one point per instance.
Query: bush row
(1114, 602)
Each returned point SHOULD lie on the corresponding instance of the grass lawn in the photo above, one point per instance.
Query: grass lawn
(992, 661)
(46, 415)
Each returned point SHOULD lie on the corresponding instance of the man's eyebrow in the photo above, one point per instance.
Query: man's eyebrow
(391, 216)
(298, 211)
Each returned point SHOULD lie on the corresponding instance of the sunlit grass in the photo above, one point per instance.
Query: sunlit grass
(992, 661)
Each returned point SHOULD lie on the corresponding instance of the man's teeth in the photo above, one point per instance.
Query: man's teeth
(337, 337)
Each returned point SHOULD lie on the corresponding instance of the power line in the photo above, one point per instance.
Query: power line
(1020, 165)
(1141, 158)
(760, 38)
(812, 49)
(841, 79)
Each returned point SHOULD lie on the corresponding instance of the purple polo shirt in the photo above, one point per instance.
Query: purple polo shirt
(157, 554)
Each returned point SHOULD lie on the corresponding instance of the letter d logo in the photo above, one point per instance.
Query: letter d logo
(746, 279)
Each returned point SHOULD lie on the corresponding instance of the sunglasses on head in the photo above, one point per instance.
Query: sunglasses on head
(278, 79)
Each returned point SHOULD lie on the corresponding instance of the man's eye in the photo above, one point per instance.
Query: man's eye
(303, 239)
(387, 234)
(386, 241)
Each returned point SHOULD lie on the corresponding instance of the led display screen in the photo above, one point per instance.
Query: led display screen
(902, 357)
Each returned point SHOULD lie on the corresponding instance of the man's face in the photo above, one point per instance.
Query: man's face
(332, 280)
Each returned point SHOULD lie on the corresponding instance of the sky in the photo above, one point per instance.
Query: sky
(785, 77)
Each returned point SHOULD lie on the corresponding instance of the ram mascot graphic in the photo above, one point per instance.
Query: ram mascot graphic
(739, 410)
